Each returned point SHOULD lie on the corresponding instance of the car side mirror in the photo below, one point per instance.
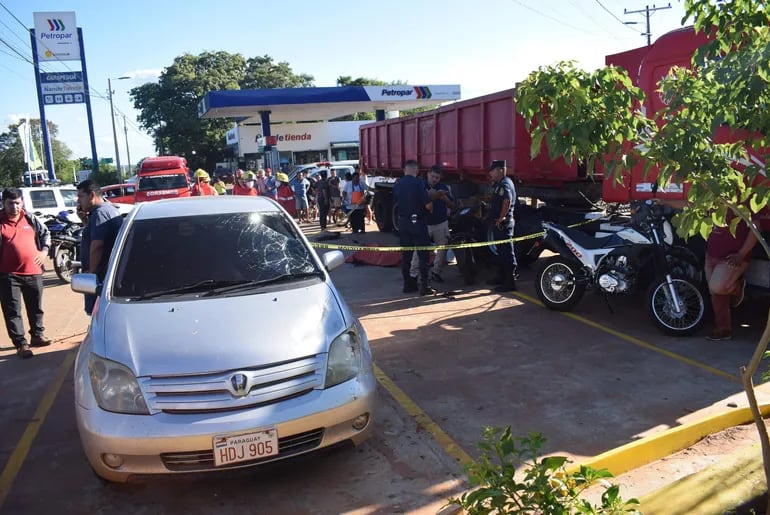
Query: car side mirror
(333, 259)
(85, 283)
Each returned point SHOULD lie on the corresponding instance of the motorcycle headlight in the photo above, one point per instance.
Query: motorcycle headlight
(115, 387)
(344, 360)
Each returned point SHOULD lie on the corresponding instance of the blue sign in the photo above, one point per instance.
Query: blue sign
(47, 78)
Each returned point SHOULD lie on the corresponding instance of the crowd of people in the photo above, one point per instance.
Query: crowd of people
(308, 198)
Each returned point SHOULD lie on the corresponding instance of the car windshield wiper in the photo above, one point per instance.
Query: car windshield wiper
(245, 285)
(187, 288)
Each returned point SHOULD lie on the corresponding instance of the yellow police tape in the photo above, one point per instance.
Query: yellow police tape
(336, 246)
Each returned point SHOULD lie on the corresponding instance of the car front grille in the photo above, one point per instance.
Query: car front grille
(208, 393)
(196, 461)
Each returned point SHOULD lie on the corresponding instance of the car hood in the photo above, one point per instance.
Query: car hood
(197, 336)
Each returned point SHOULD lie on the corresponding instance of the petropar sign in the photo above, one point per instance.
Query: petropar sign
(56, 36)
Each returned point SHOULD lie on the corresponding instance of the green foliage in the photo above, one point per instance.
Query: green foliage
(544, 484)
(169, 108)
(583, 116)
(12, 166)
(712, 131)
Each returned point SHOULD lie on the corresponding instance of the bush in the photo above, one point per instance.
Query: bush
(545, 487)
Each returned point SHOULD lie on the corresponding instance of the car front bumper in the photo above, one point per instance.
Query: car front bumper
(176, 443)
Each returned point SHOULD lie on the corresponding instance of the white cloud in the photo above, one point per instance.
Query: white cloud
(145, 75)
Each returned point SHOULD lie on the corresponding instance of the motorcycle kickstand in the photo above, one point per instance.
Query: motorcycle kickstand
(609, 305)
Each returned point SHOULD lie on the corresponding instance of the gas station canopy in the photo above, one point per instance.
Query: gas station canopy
(312, 104)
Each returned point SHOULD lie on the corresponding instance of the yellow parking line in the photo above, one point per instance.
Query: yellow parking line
(19, 454)
(641, 343)
(451, 447)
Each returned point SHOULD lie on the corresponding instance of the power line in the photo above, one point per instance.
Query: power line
(613, 15)
(560, 22)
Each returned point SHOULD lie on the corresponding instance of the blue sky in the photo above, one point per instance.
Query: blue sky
(483, 45)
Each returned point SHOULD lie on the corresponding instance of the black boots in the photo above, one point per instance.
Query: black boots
(506, 281)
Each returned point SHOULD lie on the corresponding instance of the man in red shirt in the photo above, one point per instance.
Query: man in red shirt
(23, 248)
(727, 258)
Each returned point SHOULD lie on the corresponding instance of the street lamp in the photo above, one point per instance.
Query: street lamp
(114, 132)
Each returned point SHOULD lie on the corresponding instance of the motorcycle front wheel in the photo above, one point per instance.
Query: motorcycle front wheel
(557, 284)
(662, 310)
(62, 263)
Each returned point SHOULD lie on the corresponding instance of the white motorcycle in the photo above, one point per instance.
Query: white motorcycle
(641, 253)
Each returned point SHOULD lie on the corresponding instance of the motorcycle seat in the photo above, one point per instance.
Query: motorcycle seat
(590, 242)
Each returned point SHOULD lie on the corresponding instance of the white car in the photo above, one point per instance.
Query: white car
(218, 341)
(45, 201)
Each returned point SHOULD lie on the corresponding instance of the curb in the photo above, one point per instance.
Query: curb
(721, 487)
(644, 451)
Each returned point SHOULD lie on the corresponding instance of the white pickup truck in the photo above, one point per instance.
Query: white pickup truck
(51, 200)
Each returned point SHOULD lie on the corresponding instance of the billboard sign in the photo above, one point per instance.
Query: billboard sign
(62, 88)
(56, 36)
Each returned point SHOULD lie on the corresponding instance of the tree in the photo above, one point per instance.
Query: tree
(169, 108)
(596, 117)
(12, 166)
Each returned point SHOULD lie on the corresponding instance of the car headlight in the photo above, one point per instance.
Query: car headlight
(344, 359)
(115, 387)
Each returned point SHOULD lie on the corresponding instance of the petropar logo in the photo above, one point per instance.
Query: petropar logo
(57, 29)
(397, 92)
(56, 25)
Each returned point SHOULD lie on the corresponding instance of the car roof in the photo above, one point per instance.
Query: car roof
(30, 188)
(213, 205)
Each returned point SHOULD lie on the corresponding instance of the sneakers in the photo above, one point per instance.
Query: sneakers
(719, 335)
(23, 351)
(737, 299)
(435, 277)
(39, 341)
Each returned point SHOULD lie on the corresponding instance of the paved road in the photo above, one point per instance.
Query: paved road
(449, 365)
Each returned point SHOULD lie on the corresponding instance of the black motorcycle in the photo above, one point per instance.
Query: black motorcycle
(66, 234)
(469, 225)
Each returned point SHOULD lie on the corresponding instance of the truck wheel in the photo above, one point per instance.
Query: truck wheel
(382, 210)
(557, 284)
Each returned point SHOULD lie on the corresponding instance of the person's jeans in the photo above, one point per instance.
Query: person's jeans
(439, 234)
(414, 235)
(323, 212)
(723, 283)
(13, 288)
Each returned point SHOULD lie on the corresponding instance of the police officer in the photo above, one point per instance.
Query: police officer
(500, 219)
(413, 208)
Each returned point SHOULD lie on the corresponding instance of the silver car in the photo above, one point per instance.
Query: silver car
(218, 341)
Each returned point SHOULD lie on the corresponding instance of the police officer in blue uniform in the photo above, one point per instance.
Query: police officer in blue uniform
(500, 219)
(413, 208)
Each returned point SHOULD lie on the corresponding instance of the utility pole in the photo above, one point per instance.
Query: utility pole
(128, 152)
(114, 132)
(647, 10)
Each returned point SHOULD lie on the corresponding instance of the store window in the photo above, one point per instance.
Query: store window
(343, 154)
(310, 156)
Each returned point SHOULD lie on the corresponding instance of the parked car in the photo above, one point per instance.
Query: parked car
(170, 379)
(119, 193)
(52, 200)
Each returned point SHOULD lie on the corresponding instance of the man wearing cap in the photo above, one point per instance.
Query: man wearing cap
(500, 218)
(414, 205)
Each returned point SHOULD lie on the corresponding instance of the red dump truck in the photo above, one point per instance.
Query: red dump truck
(466, 136)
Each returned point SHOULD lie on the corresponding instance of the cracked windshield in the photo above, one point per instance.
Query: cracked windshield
(169, 253)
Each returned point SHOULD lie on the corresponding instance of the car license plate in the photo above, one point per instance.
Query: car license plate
(245, 447)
